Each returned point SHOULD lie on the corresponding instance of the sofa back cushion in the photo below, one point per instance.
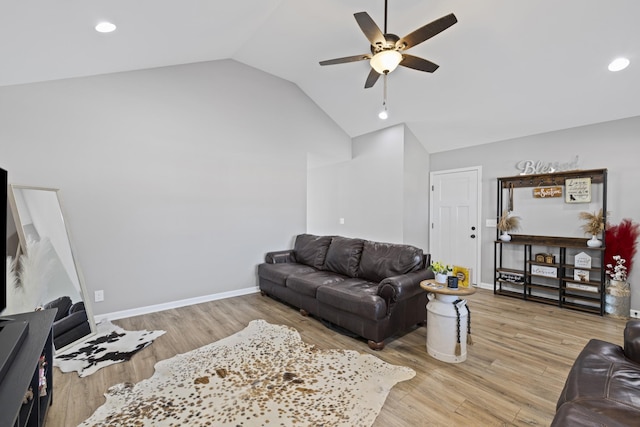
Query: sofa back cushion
(311, 250)
(382, 260)
(343, 256)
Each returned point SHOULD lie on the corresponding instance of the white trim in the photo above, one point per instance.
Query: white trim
(488, 286)
(174, 304)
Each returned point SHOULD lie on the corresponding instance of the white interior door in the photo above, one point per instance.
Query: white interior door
(454, 236)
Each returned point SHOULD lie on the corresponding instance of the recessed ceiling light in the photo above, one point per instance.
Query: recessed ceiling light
(105, 27)
(618, 64)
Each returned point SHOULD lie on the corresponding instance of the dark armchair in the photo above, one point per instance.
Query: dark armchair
(71, 322)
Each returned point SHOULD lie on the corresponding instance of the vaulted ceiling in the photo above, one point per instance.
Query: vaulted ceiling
(507, 68)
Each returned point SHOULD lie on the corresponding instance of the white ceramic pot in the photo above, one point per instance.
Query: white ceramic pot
(505, 237)
(593, 242)
(441, 278)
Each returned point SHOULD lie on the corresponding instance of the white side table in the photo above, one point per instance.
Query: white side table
(447, 321)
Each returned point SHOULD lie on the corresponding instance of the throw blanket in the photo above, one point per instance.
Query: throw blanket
(110, 345)
(263, 375)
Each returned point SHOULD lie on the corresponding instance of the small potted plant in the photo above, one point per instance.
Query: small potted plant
(594, 225)
(441, 271)
(508, 222)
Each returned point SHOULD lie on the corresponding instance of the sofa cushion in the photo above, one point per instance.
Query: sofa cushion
(602, 372)
(632, 340)
(343, 256)
(311, 250)
(582, 414)
(355, 296)
(382, 260)
(308, 284)
(278, 273)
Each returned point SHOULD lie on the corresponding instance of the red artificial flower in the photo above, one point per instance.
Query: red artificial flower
(621, 240)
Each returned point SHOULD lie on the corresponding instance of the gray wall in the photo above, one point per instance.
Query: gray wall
(381, 193)
(610, 145)
(175, 180)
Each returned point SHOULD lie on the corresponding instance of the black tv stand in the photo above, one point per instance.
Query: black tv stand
(26, 391)
(12, 334)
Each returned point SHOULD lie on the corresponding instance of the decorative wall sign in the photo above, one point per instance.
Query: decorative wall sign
(547, 192)
(532, 167)
(580, 287)
(582, 260)
(578, 190)
(541, 270)
(581, 275)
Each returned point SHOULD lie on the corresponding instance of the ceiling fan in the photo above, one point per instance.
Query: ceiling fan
(388, 50)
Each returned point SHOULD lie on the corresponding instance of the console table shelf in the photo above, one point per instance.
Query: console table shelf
(24, 374)
(519, 273)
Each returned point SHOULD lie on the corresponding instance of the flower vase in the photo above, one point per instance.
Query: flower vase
(594, 242)
(617, 299)
(441, 278)
(505, 237)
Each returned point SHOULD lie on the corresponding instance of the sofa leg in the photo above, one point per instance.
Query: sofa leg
(376, 345)
(263, 293)
(304, 312)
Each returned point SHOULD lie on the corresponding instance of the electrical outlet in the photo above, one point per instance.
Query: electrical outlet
(635, 313)
(99, 296)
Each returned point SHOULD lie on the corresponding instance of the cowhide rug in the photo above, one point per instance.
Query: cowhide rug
(263, 375)
(110, 345)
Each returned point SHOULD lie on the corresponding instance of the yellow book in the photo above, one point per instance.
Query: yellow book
(464, 276)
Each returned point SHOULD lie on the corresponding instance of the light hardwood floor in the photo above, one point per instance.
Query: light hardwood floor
(513, 375)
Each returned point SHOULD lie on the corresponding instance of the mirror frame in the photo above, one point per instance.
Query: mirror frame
(22, 248)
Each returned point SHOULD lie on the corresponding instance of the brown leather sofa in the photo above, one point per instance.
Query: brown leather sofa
(603, 386)
(371, 289)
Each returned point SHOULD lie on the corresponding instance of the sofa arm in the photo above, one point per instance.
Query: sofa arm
(398, 288)
(279, 257)
(632, 340)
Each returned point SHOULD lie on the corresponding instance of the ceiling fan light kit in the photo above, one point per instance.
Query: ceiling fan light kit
(386, 61)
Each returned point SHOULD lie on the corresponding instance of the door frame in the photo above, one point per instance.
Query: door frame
(477, 269)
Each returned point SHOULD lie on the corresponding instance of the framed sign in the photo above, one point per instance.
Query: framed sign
(547, 192)
(540, 270)
(578, 190)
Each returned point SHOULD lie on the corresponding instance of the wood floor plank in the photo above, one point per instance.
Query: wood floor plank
(513, 374)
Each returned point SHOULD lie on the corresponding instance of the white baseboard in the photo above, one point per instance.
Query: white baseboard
(174, 304)
(488, 286)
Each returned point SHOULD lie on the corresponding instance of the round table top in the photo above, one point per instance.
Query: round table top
(431, 285)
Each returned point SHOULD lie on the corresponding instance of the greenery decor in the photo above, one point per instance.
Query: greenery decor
(594, 224)
(508, 222)
(621, 241)
(439, 268)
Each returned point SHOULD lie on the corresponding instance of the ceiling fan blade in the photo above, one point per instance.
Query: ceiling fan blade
(370, 29)
(426, 32)
(372, 78)
(419, 64)
(346, 59)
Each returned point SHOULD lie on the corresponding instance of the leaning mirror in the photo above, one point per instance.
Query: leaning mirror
(48, 273)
